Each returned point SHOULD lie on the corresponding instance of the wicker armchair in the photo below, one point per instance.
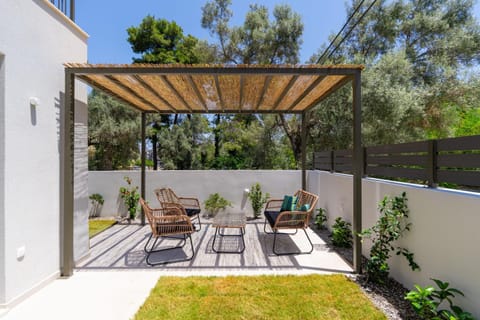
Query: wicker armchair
(189, 206)
(290, 220)
(167, 222)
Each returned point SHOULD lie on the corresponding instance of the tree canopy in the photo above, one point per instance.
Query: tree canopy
(418, 84)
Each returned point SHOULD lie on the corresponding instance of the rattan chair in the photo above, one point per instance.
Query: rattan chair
(289, 220)
(168, 223)
(190, 206)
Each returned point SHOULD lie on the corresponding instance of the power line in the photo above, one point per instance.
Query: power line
(341, 30)
(349, 31)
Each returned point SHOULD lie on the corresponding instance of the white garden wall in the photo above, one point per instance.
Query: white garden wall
(228, 183)
(444, 235)
(35, 41)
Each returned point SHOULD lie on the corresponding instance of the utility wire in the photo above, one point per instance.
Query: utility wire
(341, 30)
(349, 31)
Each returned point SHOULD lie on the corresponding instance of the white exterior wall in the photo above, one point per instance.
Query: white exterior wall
(2, 176)
(35, 40)
(444, 236)
(230, 184)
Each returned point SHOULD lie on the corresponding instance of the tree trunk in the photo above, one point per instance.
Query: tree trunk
(217, 136)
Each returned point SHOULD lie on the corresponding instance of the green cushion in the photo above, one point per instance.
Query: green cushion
(305, 207)
(289, 203)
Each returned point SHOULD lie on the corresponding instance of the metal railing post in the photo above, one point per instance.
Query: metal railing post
(432, 164)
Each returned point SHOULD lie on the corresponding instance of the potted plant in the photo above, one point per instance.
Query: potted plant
(258, 199)
(215, 203)
(96, 200)
(130, 197)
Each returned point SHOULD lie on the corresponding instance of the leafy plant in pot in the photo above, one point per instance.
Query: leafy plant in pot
(130, 197)
(215, 203)
(258, 199)
(97, 201)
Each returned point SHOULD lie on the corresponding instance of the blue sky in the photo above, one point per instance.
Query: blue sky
(106, 22)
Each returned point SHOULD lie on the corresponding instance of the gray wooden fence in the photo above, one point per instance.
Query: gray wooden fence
(453, 160)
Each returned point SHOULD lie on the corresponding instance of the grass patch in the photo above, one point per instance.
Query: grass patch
(262, 297)
(97, 226)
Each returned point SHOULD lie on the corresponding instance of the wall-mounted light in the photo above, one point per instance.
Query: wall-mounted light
(34, 101)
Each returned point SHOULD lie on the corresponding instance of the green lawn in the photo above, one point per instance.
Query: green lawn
(263, 297)
(97, 226)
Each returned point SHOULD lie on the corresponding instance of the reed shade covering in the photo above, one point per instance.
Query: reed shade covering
(177, 88)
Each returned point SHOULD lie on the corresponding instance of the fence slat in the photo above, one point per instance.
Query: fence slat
(424, 160)
(459, 160)
(394, 172)
(347, 153)
(411, 147)
(415, 160)
(462, 143)
(343, 168)
(466, 178)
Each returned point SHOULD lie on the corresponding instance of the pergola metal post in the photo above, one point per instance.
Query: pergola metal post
(143, 151)
(357, 172)
(304, 150)
(67, 196)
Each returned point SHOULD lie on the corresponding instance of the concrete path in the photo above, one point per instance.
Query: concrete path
(115, 281)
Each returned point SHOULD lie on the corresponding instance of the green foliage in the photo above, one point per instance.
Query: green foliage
(414, 85)
(215, 203)
(342, 233)
(390, 227)
(148, 163)
(130, 196)
(258, 40)
(258, 199)
(321, 218)
(97, 202)
(470, 123)
(161, 41)
(427, 301)
(113, 133)
(96, 197)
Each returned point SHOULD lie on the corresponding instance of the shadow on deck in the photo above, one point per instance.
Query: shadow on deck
(121, 248)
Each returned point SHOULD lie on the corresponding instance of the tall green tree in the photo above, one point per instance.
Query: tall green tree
(262, 41)
(113, 133)
(163, 41)
(415, 52)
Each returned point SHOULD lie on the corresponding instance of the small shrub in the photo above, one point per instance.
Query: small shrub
(97, 201)
(342, 233)
(215, 203)
(426, 302)
(321, 218)
(258, 199)
(130, 196)
(390, 226)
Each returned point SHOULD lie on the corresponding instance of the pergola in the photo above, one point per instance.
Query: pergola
(187, 89)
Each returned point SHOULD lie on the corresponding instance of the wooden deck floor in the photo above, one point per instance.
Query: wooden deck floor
(121, 248)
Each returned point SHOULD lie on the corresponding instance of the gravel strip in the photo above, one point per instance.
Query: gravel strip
(389, 297)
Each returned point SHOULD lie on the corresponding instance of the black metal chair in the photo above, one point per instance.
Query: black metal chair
(189, 205)
(290, 220)
(169, 222)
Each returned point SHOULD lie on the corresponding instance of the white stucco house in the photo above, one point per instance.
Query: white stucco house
(36, 39)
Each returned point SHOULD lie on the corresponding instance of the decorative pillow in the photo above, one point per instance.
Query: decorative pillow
(305, 207)
(289, 203)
